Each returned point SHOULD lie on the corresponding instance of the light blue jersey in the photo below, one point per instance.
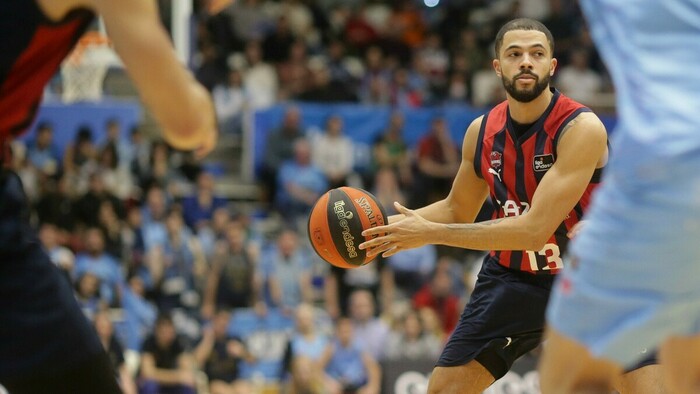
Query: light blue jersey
(651, 50)
(635, 281)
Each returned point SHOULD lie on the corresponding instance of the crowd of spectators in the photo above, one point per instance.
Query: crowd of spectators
(190, 292)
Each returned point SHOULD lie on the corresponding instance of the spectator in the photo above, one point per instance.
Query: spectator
(391, 151)
(577, 80)
(42, 153)
(87, 293)
(166, 365)
(277, 43)
(279, 147)
(220, 355)
(350, 369)
(287, 272)
(299, 184)
(230, 101)
(198, 210)
(124, 150)
(210, 68)
(87, 207)
(210, 235)
(79, 159)
(139, 314)
(116, 178)
(439, 296)
(437, 162)
(370, 331)
(58, 254)
(411, 342)
(233, 281)
(94, 260)
(405, 272)
(259, 78)
(374, 87)
(55, 204)
(153, 218)
(294, 73)
(306, 348)
(112, 229)
(332, 152)
(105, 332)
(323, 89)
(141, 154)
(403, 95)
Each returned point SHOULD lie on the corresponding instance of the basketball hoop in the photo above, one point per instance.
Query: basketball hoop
(84, 70)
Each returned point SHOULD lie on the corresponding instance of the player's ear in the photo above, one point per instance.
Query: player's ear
(497, 66)
(553, 66)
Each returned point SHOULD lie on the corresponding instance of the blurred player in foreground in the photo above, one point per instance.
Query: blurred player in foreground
(46, 344)
(633, 275)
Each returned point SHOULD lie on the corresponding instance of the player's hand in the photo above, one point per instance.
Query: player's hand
(408, 233)
(209, 140)
(576, 229)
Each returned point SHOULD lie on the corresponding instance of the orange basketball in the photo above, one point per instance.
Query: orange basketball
(336, 223)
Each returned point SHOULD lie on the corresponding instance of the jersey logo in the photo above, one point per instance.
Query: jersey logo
(542, 163)
(496, 160)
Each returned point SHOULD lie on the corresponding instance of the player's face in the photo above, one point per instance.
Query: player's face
(525, 64)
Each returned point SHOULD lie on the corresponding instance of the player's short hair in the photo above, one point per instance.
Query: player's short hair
(523, 24)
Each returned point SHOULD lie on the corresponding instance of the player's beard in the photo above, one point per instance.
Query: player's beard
(525, 95)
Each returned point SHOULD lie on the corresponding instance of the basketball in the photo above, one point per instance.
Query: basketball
(336, 223)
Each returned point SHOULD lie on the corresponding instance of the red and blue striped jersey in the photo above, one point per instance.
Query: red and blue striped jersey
(31, 49)
(514, 166)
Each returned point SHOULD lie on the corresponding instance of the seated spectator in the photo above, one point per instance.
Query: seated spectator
(87, 293)
(286, 272)
(409, 341)
(153, 215)
(56, 204)
(230, 101)
(58, 254)
(306, 348)
(332, 152)
(437, 162)
(578, 80)
(79, 159)
(42, 153)
(86, 208)
(219, 355)
(438, 295)
(124, 150)
(405, 272)
(349, 368)
(391, 151)
(232, 281)
(117, 178)
(279, 147)
(105, 332)
(299, 184)
(198, 209)
(370, 332)
(141, 154)
(259, 78)
(96, 261)
(166, 366)
(139, 314)
(111, 227)
(210, 235)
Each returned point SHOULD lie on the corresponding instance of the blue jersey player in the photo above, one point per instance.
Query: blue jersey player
(635, 265)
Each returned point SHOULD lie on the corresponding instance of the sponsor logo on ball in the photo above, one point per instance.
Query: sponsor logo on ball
(343, 217)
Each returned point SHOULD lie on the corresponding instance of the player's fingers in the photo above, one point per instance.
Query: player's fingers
(379, 230)
(373, 243)
(391, 252)
(401, 209)
(371, 252)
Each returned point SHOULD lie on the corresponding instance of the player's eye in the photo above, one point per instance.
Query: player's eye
(514, 54)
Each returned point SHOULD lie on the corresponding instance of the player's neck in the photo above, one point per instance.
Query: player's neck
(525, 113)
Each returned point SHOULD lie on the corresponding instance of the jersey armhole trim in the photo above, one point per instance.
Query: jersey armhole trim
(479, 146)
(572, 116)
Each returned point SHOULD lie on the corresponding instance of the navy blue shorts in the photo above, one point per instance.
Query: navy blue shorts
(504, 319)
(43, 332)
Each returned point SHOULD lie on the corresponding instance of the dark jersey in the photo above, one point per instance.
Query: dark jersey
(31, 49)
(513, 168)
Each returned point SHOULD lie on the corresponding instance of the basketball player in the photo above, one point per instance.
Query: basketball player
(46, 344)
(538, 155)
(633, 277)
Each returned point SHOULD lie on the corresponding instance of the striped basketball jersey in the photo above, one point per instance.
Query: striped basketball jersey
(31, 49)
(513, 167)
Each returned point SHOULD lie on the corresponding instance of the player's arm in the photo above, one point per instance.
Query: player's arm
(468, 190)
(181, 105)
(581, 147)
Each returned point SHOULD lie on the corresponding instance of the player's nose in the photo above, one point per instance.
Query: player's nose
(526, 62)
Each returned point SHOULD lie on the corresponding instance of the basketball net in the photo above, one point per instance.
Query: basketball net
(84, 70)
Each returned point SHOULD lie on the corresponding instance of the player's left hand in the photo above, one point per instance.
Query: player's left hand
(408, 233)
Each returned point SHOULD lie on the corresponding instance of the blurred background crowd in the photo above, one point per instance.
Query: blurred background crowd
(194, 291)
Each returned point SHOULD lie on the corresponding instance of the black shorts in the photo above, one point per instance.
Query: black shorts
(43, 332)
(504, 319)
